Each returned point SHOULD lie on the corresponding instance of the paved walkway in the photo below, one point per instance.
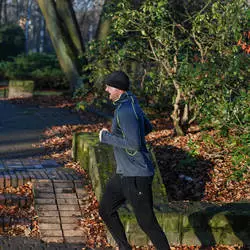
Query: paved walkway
(22, 125)
(59, 192)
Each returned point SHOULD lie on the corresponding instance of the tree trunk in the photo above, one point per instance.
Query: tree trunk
(1, 7)
(63, 48)
(176, 114)
(67, 16)
(29, 3)
(5, 12)
(103, 26)
(17, 8)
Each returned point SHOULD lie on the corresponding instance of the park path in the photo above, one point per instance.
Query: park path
(59, 193)
(22, 125)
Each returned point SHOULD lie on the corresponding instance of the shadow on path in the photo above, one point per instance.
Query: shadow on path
(22, 125)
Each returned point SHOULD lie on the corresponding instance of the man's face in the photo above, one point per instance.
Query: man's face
(114, 93)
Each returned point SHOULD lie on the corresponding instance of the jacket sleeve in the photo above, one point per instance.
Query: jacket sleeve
(147, 126)
(129, 124)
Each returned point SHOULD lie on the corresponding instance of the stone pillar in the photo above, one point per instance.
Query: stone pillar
(20, 88)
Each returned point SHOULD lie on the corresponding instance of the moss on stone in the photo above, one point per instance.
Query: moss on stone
(192, 223)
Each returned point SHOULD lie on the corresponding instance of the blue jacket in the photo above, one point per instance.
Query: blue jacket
(128, 131)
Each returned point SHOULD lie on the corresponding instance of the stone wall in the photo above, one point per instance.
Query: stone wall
(191, 223)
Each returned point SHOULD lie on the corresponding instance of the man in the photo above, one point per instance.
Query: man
(134, 174)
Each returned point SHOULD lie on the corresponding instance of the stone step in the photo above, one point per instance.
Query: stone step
(16, 178)
(6, 222)
(59, 205)
(27, 163)
(21, 243)
(8, 199)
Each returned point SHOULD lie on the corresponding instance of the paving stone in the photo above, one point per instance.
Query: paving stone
(19, 179)
(70, 226)
(77, 232)
(65, 184)
(40, 201)
(57, 181)
(51, 233)
(28, 166)
(81, 193)
(76, 177)
(25, 162)
(70, 219)
(69, 213)
(37, 166)
(71, 239)
(31, 175)
(48, 213)
(44, 195)
(44, 190)
(40, 185)
(46, 207)
(37, 174)
(49, 226)
(49, 163)
(68, 207)
(15, 167)
(68, 176)
(14, 180)
(52, 174)
(34, 161)
(66, 195)
(26, 177)
(67, 201)
(66, 190)
(13, 162)
(45, 182)
(52, 239)
(44, 174)
(62, 175)
(79, 184)
(2, 167)
(49, 219)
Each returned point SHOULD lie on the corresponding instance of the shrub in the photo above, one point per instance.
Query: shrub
(44, 69)
(12, 41)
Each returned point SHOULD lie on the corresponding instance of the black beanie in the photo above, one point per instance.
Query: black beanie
(117, 79)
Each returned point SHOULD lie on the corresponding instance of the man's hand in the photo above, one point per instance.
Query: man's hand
(100, 133)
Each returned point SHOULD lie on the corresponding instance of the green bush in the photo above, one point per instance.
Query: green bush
(44, 69)
(12, 41)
